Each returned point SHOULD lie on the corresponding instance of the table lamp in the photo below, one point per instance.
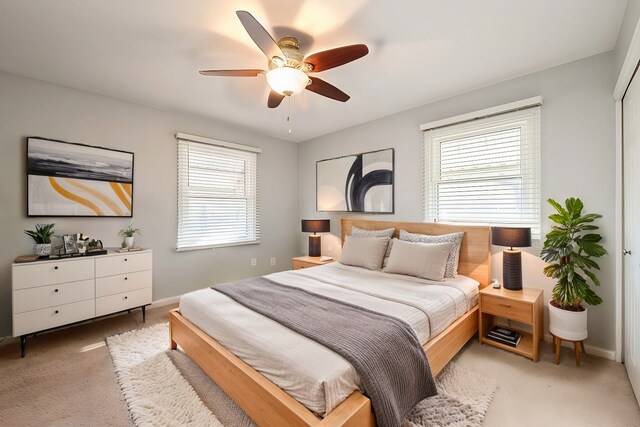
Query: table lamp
(315, 226)
(511, 259)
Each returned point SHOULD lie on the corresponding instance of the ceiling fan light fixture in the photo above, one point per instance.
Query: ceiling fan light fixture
(287, 80)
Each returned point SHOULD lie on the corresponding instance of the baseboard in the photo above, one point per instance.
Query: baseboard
(165, 301)
(590, 349)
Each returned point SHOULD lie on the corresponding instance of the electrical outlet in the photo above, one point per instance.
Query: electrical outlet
(273, 260)
(254, 262)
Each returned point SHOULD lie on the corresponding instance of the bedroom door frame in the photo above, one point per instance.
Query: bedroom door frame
(632, 59)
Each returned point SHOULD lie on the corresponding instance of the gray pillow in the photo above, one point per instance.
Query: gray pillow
(425, 260)
(454, 255)
(360, 232)
(387, 232)
(364, 252)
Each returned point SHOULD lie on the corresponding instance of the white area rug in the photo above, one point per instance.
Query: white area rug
(167, 388)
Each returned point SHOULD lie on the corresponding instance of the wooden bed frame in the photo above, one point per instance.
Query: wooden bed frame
(268, 405)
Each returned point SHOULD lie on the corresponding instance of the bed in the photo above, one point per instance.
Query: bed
(268, 404)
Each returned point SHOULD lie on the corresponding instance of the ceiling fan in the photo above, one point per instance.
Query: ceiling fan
(288, 68)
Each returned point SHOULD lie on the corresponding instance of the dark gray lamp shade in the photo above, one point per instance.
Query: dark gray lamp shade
(510, 236)
(315, 226)
(511, 259)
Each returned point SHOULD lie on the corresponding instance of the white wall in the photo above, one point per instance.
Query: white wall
(33, 108)
(578, 159)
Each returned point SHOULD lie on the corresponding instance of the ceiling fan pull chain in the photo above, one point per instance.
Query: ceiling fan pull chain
(289, 115)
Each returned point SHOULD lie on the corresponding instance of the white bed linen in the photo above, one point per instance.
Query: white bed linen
(312, 374)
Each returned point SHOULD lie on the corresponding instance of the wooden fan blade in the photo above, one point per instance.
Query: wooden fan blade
(259, 35)
(274, 99)
(335, 57)
(232, 73)
(325, 89)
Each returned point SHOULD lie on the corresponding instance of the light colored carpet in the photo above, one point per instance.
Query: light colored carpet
(67, 378)
(158, 393)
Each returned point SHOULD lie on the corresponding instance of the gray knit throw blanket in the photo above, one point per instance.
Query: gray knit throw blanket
(384, 350)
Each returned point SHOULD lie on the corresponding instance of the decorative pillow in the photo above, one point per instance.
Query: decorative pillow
(387, 232)
(364, 252)
(360, 232)
(425, 260)
(454, 256)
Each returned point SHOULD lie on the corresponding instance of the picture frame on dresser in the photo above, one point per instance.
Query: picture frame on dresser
(69, 179)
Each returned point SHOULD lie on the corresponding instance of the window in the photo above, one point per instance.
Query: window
(217, 193)
(485, 170)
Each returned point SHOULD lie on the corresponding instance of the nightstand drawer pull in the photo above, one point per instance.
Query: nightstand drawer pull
(505, 305)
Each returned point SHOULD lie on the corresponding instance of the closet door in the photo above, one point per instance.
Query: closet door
(631, 259)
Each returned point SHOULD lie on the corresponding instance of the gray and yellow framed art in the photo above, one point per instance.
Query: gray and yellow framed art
(356, 183)
(70, 179)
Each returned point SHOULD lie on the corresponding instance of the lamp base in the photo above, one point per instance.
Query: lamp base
(314, 245)
(512, 270)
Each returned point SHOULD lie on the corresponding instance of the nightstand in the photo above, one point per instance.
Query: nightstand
(523, 306)
(307, 261)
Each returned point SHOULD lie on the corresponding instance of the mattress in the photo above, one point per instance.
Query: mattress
(312, 374)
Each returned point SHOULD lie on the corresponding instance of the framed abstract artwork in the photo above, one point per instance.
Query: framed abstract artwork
(69, 179)
(356, 183)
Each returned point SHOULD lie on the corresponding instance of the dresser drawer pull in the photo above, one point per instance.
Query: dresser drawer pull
(125, 278)
(505, 305)
(125, 259)
(126, 297)
(56, 312)
(55, 268)
(55, 290)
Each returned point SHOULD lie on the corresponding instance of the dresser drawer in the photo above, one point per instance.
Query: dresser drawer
(123, 283)
(123, 301)
(39, 320)
(509, 309)
(50, 273)
(125, 263)
(52, 295)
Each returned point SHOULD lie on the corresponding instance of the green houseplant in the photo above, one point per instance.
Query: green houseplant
(128, 235)
(42, 238)
(570, 249)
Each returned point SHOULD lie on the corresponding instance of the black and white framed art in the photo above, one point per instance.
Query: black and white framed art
(69, 179)
(356, 183)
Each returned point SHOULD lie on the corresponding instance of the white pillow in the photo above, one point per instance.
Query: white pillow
(454, 238)
(428, 261)
(364, 252)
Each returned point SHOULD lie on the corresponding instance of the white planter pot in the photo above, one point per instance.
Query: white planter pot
(42, 249)
(568, 325)
(129, 242)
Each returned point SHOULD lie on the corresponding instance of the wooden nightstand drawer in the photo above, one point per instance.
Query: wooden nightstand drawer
(297, 265)
(509, 309)
(307, 262)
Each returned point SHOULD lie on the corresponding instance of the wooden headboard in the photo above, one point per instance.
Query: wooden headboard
(475, 253)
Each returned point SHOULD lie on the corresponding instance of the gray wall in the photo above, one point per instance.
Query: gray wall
(33, 108)
(628, 27)
(578, 159)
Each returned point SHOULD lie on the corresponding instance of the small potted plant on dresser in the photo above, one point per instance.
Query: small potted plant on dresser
(570, 249)
(42, 238)
(128, 236)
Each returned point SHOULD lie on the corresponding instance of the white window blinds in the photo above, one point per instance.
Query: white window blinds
(217, 193)
(485, 171)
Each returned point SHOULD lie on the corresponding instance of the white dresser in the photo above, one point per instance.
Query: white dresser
(53, 293)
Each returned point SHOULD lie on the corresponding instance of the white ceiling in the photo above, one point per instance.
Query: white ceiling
(149, 51)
